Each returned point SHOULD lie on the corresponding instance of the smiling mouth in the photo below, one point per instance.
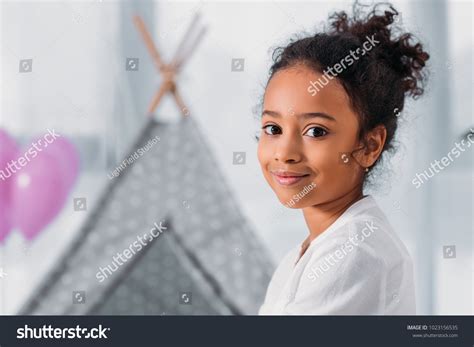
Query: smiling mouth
(288, 179)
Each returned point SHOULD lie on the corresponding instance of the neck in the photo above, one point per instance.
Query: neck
(319, 217)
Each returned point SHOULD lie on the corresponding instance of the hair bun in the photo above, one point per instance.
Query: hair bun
(400, 51)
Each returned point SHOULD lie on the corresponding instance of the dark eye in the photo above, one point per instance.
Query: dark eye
(316, 132)
(271, 129)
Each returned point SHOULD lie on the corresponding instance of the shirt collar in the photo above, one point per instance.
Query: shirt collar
(364, 204)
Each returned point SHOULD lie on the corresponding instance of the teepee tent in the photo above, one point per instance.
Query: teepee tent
(206, 261)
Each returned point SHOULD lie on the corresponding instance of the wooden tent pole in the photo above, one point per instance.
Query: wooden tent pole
(169, 71)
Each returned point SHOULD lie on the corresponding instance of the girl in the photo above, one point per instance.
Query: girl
(330, 110)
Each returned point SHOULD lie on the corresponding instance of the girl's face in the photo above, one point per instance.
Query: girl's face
(308, 139)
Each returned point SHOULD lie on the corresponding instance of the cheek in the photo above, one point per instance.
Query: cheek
(323, 158)
(259, 151)
(263, 153)
(331, 167)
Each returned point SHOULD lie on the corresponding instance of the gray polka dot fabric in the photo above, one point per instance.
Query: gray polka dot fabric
(205, 258)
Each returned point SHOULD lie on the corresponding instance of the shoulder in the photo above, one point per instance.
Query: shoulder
(365, 248)
(371, 233)
(341, 278)
(344, 254)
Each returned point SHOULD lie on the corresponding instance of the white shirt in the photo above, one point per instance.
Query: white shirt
(357, 266)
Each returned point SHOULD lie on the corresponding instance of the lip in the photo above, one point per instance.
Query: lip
(288, 178)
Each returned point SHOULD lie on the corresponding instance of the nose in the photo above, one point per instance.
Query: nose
(288, 150)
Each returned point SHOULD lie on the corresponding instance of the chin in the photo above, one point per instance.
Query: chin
(289, 199)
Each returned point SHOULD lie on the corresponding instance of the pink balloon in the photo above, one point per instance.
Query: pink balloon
(38, 194)
(68, 160)
(8, 152)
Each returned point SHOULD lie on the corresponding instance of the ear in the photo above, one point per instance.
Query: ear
(374, 143)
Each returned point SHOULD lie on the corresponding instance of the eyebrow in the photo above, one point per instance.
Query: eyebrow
(302, 115)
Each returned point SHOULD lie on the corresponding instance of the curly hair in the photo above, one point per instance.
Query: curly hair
(376, 83)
